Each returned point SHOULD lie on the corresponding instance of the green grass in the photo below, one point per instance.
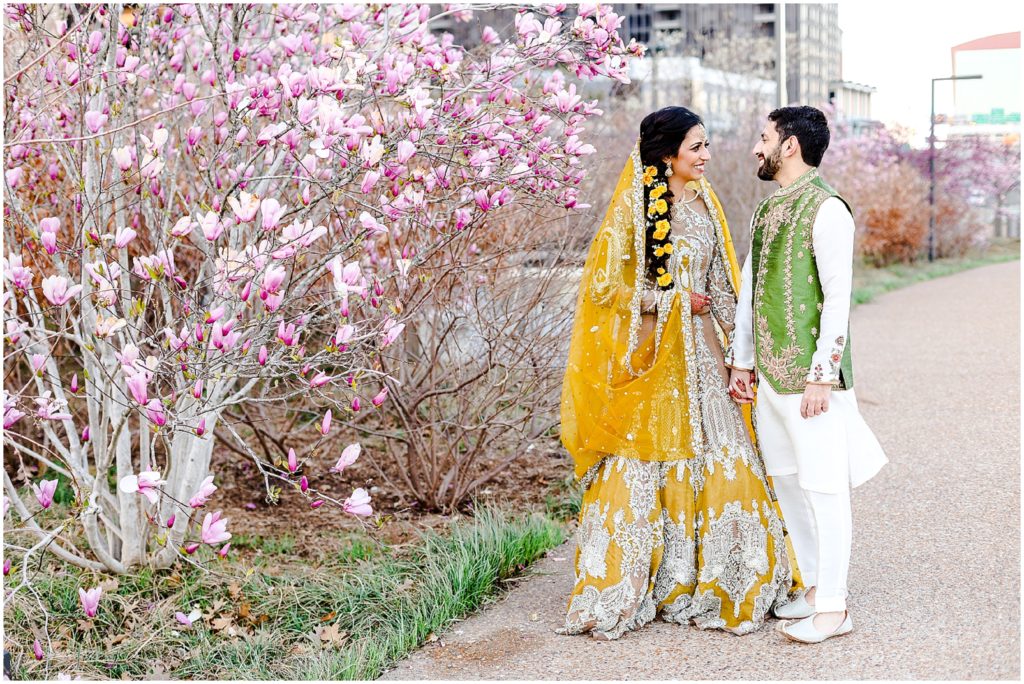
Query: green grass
(870, 282)
(382, 603)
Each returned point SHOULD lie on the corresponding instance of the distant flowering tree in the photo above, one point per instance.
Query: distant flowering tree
(969, 172)
(210, 206)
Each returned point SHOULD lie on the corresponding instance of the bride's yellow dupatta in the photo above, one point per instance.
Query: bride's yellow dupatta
(623, 395)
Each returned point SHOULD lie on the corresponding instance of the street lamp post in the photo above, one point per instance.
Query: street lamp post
(931, 165)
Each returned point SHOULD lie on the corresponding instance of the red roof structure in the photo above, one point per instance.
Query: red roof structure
(1000, 41)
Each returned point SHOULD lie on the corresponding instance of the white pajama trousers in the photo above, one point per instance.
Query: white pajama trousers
(821, 528)
(813, 462)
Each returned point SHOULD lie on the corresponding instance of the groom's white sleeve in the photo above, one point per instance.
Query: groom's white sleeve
(740, 353)
(833, 255)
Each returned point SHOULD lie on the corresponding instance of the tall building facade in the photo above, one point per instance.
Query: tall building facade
(813, 40)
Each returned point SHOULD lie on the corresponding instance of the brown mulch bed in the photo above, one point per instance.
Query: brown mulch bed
(397, 519)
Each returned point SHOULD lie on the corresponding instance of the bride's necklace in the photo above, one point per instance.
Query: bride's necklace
(696, 194)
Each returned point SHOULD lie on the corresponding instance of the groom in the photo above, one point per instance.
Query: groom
(792, 340)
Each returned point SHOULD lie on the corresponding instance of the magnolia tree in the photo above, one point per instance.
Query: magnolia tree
(209, 206)
(893, 226)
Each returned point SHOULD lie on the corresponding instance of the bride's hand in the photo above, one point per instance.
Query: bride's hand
(699, 303)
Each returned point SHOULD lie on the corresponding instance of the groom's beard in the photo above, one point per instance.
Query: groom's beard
(771, 165)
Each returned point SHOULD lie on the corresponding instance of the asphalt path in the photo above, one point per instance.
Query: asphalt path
(935, 574)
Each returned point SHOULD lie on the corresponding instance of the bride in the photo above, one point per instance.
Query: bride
(678, 515)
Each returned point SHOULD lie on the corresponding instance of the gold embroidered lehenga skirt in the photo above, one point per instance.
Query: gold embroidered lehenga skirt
(698, 539)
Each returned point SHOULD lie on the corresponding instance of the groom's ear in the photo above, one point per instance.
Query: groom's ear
(791, 146)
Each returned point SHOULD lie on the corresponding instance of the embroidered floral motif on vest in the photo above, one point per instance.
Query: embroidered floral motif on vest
(788, 297)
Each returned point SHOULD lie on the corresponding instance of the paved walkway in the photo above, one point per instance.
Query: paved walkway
(935, 577)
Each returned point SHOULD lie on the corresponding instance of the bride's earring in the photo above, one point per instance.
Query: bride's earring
(668, 169)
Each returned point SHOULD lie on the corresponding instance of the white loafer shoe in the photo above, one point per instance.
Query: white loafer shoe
(805, 632)
(794, 610)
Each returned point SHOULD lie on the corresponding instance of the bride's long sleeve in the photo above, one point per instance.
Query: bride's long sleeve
(723, 298)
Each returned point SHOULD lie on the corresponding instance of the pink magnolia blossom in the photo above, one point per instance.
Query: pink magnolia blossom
(90, 600)
(56, 290)
(325, 424)
(223, 551)
(11, 416)
(245, 206)
(406, 150)
(122, 157)
(188, 620)
(74, 383)
(95, 120)
(14, 176)
(38, 361)
(49, 409)
(105, 277)
(170, 521)
(348, 456)
(304, 483)
(155, 412)
(44, 492)
(215, 315)
(358, 503)
(356, 405)
(206, 490)
(272, 281)
(212, 226)
(124, 236)
(262, 355)
(391, 332)
(201, 427)
(108, 325)
(347, 278)
(15, 328)
(137, 385)
(344, 334)
(489, 36)
(272, 211)
(147, 483)
(320, 379)
(37, 650)
(191, 548)
(183, 227)
(369, 180)
(293, 463)
(214, 529)
(197, 389)
(371, 225)
(379, 398)
(19, 275)
(287, 333)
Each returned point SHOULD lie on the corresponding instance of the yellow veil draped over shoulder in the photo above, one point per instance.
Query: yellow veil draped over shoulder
(627, 393)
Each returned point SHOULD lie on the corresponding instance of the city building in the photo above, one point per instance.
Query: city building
(852, 102)
(722, 97)
(813, 40)
(989, 106)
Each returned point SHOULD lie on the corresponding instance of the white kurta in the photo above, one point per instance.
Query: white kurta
(836, 449)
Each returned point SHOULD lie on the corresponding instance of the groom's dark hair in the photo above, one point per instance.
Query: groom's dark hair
(810, 127)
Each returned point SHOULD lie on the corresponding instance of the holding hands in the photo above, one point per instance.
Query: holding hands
(741, 385)
(699, 303)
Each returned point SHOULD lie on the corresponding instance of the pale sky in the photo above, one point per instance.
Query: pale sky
(899, 46)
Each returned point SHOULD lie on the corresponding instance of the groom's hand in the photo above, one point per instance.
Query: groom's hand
(815, 400)
(741, 386)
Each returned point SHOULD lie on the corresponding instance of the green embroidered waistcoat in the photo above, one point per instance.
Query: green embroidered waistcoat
(788, 298)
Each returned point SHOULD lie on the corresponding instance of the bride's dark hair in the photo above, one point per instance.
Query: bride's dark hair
(661, 134)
